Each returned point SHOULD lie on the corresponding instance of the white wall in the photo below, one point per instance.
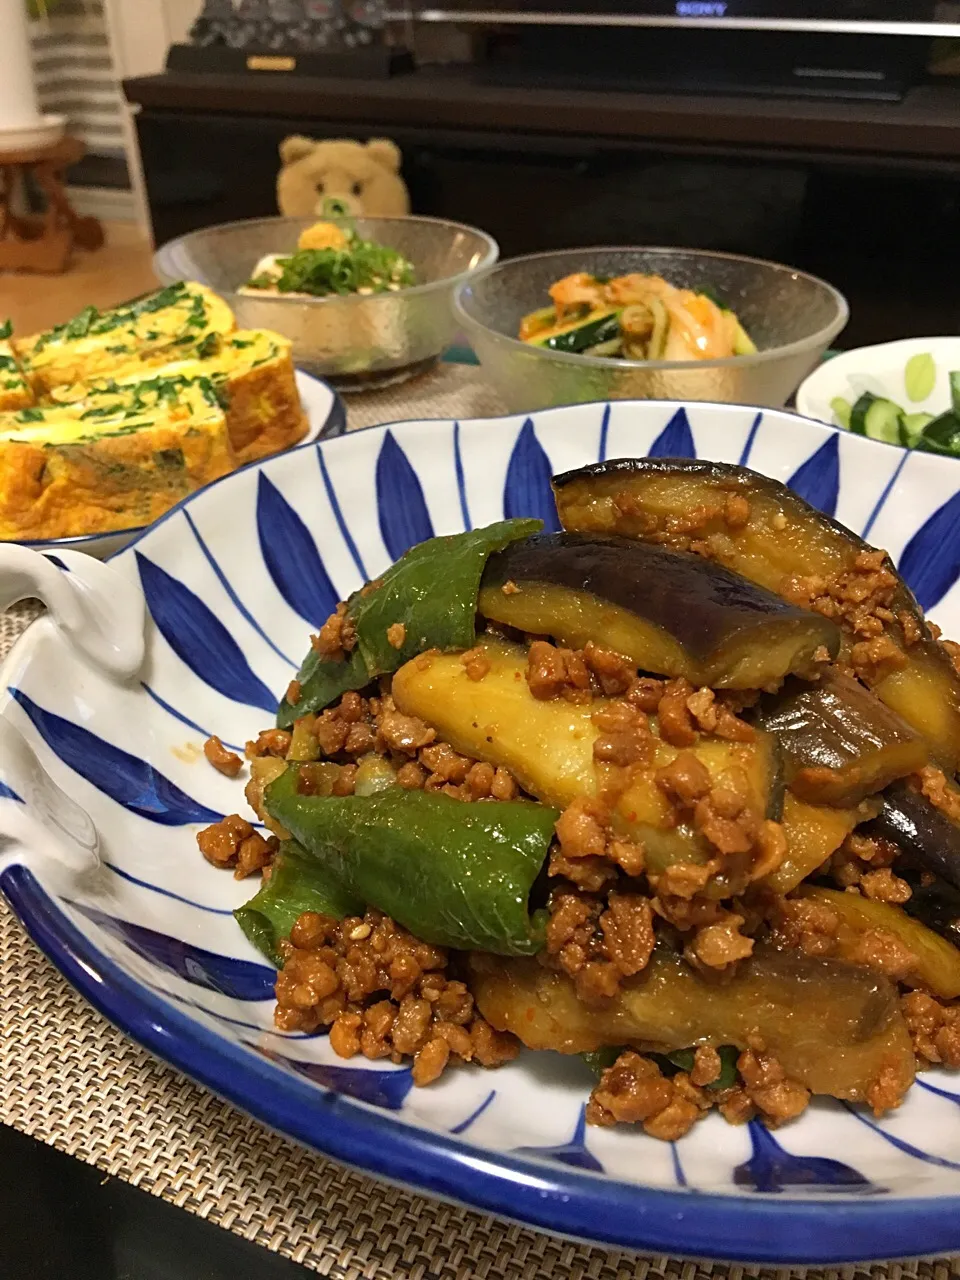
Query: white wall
(138, 35)
(179, 17)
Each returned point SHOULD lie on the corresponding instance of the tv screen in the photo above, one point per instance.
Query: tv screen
(901, 17)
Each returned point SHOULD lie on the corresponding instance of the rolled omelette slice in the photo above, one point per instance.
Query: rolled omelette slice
(15, 392)
(162, 326)
(253, 375)
(65, 472)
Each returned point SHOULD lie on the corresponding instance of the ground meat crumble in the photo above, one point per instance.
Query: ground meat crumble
(384, 994)
(223, 760)
(932, 782)
(764, 1089)
(865, 862)
(233, 842)
(635, 1091)
(817, 930)
(934, 1028)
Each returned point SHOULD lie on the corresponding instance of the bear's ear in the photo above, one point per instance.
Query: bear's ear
(295, 148)
(385, 152)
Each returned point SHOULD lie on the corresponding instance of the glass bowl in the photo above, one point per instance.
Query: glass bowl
(353, 342)
(791, 316)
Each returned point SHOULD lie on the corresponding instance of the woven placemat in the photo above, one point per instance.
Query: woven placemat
(74, 1081)
(448, 391)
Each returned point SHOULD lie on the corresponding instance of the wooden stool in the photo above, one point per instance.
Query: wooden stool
(44, 242)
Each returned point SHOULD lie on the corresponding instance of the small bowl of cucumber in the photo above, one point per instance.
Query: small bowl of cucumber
(904, 393)
(786, 320)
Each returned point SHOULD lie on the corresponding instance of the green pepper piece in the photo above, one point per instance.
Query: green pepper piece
(431, 590)
(322, 681)
(297, 883)
(669, 1063)
(455, 874)
(682, 1060)
(598, 1060)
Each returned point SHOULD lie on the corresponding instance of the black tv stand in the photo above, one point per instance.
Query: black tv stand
(715, 61)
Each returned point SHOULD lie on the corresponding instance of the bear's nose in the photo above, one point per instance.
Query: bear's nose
(346, 204)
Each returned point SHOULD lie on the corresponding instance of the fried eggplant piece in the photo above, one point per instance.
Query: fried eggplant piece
(671, 613)
(833, 1027)
(840, 743)
(548, 745)
(761, 529)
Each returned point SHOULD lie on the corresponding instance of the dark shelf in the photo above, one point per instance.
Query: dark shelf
(925, 125)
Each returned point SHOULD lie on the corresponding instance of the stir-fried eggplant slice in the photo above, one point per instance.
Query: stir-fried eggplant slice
(840, 743)
(759, 528)
(920, 829)
(813, 833)
(670, 612)
(548, 745)
(937, 905)
(832, 1027)
(936, 964)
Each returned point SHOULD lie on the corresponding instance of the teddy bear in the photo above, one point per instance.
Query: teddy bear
(363, 177)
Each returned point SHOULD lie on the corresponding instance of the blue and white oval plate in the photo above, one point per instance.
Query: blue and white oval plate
(234, 580)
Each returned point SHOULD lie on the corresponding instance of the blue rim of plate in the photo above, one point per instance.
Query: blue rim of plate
(552, 1197)
(335, 425)
(689, 1223)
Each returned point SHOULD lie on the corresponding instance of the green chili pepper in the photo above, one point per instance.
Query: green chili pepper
(455, 874)
(297, 884)
(669, 1063)
(682, 1060)
(598, 1060)
(431, 590)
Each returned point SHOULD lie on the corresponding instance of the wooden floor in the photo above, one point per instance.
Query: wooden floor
(121, 269)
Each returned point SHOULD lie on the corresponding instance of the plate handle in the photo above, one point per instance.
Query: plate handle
(98, 611)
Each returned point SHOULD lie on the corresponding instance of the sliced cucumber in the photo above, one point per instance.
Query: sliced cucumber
(955, 392)
(876, 418)
(942, 435)
(920, 376)
(612, 348)
(882, 421)
(841, 410)
(859, 412)
(911, 428)
(589, 331)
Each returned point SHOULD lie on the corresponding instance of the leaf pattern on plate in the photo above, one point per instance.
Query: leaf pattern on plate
(772, 1169)
(8, 793)
(930, 563)
(526, 490)
(239, 979)
(378, 1087)
(574, 1152)
(675, 440)
(198, 637)
(132, 782)
(404, 518)
(291, 556)
(817, 480)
